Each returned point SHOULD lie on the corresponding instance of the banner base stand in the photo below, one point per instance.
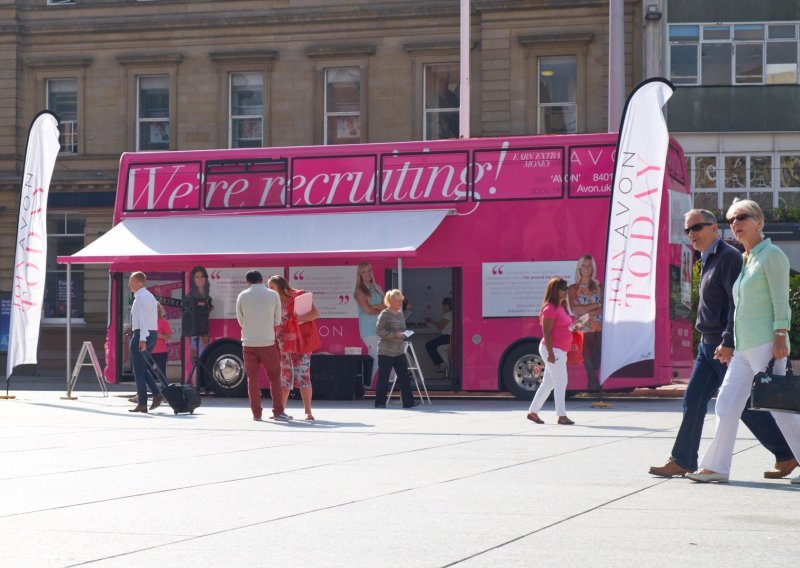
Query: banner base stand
(7, 396)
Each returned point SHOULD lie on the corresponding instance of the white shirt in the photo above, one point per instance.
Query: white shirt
(144, 313)
(258, 310)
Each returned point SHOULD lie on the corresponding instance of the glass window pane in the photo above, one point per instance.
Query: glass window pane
(789, 199)
(716, 32)
(748, 31)
(782, 31)
(729, 196)
(557, 77)
(441, 86)
(62, 99)
(439, 125)
(344, 129)
(558, 119)
(790, 171)
(154, 135)
(343, 90)
(735, 171)
(749, 63)
(763, 198)
(684, 33)
(683, 64)
(781, 63)
(246, 133)
(154, 97)
(247, 94)
(706, 200)
(760, 171)
(705, 172)
(716, 64)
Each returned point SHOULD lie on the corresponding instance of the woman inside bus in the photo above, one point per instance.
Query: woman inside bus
(445, 326)
(760, 333)
(586, 298)
(369, 298)
(295, 364)
(391, 351)
(199, 292)
(556, 339)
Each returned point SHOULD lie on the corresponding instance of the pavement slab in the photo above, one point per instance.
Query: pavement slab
(462, 482)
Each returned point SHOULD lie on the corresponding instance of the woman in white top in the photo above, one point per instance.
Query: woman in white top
(445, 325)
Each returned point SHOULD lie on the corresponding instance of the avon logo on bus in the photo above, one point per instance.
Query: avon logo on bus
(403, 178)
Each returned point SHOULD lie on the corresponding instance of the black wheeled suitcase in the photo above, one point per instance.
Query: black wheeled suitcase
(180, 397)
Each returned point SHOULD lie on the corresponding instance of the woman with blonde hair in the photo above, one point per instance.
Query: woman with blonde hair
(295, 364)
(391, 351)
(761, 323)
(585, 298)
(369, 297)
(556, 339)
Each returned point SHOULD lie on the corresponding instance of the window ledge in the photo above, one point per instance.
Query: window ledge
(153, 58)
(60, 62)
(256, 55)
(549, 39)
(340, 50)
(436, 46)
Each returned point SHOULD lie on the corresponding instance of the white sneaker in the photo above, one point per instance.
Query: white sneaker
(796, 480)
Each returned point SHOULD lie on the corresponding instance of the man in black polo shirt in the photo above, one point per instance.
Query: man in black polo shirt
(722, 264)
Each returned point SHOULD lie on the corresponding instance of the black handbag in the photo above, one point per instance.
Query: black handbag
(779, 393)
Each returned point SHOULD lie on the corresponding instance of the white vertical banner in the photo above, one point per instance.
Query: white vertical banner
(629, 309)
(30, 257)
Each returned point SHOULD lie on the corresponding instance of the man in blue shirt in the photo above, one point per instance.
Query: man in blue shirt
(722, 264)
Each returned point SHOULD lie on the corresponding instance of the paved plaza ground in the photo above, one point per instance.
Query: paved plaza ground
(458, 483)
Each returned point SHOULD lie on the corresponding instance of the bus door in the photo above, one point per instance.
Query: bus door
(167, 287)
(431, 297)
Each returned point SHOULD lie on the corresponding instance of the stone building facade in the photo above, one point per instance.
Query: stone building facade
(128, 75)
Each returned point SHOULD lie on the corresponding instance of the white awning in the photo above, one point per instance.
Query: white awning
(279, 236)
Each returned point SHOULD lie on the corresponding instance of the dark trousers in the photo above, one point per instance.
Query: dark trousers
(161, 361)
(592, 345)
(144, 378)
(431, 346)
(385, 366)
(706, 379)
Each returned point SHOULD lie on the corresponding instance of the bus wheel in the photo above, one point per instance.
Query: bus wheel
(523, 369)
(226, 370)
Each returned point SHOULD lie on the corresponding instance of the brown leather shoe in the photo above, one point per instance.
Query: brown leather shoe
(139, 408)
(156, 401)
(564, 421)
(669, 469)
(782, 469)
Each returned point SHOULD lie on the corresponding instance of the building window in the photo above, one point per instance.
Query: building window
(442, 101)
(246, 123)
(734, 54)
(557, 102)
(152, 113)
(65, 236)
(342, 122)
(62, 99)
(772, 180)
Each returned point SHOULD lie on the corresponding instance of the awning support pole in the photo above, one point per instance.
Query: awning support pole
(69, 329)
(400, 274)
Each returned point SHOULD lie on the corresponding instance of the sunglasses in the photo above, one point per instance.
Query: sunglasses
(696, 227)
(741, 217)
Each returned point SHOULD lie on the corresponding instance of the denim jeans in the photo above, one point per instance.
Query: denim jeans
(144, 378)
(706, 379)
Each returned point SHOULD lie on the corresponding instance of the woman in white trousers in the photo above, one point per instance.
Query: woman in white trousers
(556, 339)
(761, 323)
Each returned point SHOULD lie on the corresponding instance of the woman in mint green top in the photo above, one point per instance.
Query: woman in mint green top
(760, 332)
(369, 297)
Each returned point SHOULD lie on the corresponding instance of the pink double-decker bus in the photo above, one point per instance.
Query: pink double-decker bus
(482, 222)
